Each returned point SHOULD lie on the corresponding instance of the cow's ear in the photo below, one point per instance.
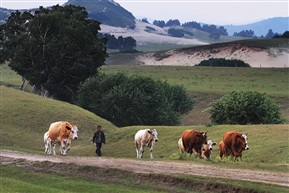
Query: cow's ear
(68, 128)
(214, 143)
(149, 131)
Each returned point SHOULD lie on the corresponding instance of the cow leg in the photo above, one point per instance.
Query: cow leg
(45, 147)
(54, 146)
(68, 145)
(49, 147)
(141, 151)
(151, 151)
(137, 150)
(63, 146)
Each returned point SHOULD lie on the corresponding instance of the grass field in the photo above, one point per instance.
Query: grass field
(26, 117)
(272, 81)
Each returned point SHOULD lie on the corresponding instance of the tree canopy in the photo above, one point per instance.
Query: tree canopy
(134, 100)
(245, 107)
(54, 49)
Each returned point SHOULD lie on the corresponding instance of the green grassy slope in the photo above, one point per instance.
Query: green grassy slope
(26, 117)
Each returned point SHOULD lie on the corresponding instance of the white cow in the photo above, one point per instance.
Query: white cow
(143, 138)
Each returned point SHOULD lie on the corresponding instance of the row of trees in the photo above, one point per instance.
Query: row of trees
(214, 31)
(123, 44)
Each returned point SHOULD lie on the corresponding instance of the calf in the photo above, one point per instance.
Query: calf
(207, 151)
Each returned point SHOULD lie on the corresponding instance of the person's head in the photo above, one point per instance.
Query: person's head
(98, 128)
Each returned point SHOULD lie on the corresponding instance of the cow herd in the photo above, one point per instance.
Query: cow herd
(195, 142)
(191, 141)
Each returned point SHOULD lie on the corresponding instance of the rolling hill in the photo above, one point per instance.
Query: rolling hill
(277, 24)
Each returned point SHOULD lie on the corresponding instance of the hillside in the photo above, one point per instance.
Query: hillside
(145, 33)
(277, 24)
(258, 53)
(107, 12)
(28, 116)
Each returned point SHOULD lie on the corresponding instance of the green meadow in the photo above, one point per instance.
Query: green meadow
(25, 117)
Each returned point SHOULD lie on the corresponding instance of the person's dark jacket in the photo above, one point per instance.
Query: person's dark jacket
(95, 137)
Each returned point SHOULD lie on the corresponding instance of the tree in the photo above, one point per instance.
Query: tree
(245, 33)
(134, 100)
(54, 49)
(159, 23)
(284, 35)
(245, 107)
(173, 22)
(176, 33)
(270, 34)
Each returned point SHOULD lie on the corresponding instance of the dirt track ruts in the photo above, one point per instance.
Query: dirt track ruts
(161, 167)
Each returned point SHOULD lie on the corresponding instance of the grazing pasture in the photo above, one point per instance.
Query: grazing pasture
(26, 117)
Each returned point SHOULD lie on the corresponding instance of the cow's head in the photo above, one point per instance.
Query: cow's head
(242, 141)
(203, 137)
(246, 140)
(211, 144)
(74, 131)
(154, 133)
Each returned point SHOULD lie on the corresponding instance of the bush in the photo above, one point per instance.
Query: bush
(134, 100)
(221, 62)
(245, 107)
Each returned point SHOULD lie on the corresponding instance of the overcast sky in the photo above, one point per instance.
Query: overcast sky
(219, 12)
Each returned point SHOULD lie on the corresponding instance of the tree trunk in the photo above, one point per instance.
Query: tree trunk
(22, 83)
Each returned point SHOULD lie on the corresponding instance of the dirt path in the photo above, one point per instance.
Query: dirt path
(161, 167)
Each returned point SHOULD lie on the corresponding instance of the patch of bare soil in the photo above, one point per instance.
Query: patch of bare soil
(166, 171)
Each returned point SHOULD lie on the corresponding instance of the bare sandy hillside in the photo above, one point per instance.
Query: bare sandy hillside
(144, 35)
(255, 57)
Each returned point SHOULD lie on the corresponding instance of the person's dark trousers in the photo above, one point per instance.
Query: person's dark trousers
(98, 147)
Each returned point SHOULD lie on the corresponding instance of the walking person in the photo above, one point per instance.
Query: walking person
(98, 139)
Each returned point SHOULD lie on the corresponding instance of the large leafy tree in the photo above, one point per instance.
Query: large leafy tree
(134, 100)
(54, 49)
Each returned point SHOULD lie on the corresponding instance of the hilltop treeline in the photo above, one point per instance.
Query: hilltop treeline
(123, 44)
(214, 31)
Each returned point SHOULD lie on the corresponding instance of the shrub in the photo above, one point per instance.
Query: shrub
(134, 100)
(221, 62)
(245, 107)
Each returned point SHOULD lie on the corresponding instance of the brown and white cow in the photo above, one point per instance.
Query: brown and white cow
(145, 137)
(60, 132)
(207, 149)
(193, 141)
(182, 149)
(233, 144)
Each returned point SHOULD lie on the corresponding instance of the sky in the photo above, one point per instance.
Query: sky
(219, 12)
